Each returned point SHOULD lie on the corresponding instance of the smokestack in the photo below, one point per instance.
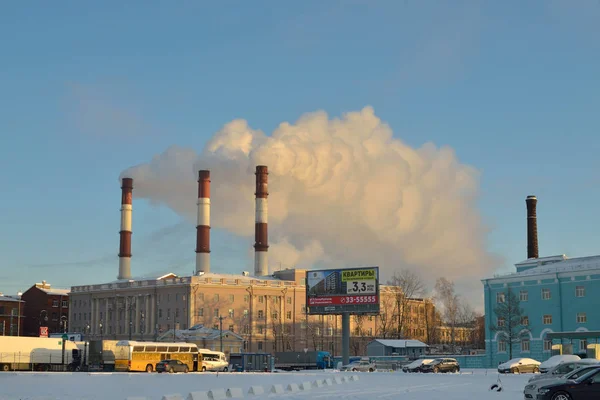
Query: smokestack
(532, 239)
(125, 233)
(261, 240)
(203, 223)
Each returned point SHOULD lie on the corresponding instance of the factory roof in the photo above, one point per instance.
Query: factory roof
(567, 265)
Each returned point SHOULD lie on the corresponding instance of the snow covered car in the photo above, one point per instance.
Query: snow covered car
(519, 366)
(555, 360)
(564, 368)
(416, 365)
(531, 389)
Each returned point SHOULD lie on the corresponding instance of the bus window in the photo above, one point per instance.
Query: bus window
(150, 348)
(139, 349)
(161, 349)
(173, 349)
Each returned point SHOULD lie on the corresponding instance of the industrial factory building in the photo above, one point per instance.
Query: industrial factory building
(268, 311)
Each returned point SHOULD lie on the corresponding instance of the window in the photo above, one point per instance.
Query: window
(231, 328)
(318, 330)
(168, 313)
(329, 331)
(275, 315)
(246, 329)
(500, 297)
(547, 319)
(231, 313)
(216, 313)
(177, 313)
(500, 322)
(54, 303)
(245, 313)
(289, 300)
(581, 318)
(501, 346)
(260, 329)
(65, 303)
(216, 297)
(231, 298)
(260, 345)
(546, 294)
(275, 299)
(200, 312)
(525, 321)
(580, 291)
(547, 345)
(583, 344)
(176, 297)
(261, 314)
(261, 299)
(523, 295)
(160, 313)
(289, 315)
(525, 345)
(370, 331)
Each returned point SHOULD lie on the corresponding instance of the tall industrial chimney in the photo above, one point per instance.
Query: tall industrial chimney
(532, 238)
(203, 223)
(125, 233)
(261, 239)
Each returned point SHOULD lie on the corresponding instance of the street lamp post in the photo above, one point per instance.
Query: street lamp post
(19, 314)
(63, 322)
(221, 331)
(142, 320)
(100, 326)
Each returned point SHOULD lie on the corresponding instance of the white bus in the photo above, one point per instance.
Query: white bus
(213, 360)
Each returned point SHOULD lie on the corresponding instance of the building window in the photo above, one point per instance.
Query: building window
(583, 344)
(275, 315)
(231, 313)
(525, 345)
(260, 329)
(547, 319)
(546, 294)
(216, 297)
(275, 299)
(525, 321)
(261, 299)
(289, 300)
(200, 312)
(581, 318)
(216, 313)
(523, 295)
(500, 322)
(260, 345)
(501, 346)
(500, 297)
(231, 298)
(177, 313)
(168, 313)
(246, 329)
(370, 331)
(176, 297)
(65, 303)
(231, 328)
(318, 331)
(289, 315)
(245, 313)
(580, 291)
(547, 345)
(54, 303)
(261, 314)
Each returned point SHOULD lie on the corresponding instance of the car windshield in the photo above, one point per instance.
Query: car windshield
(585, 375)
(580, 372)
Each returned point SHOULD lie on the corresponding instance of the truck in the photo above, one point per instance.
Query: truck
(298, 360)
(19, 353)
(101, 355)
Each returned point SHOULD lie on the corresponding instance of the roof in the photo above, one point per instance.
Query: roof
(53, 291)
(400, 343)
(147, 278)
(578, 264)
(529, 261)
(9, 298)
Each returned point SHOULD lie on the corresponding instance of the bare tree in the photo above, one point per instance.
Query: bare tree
(510, 319)
(408, 285)
(432, 321)
(446, 294)
(385, 321)
(466, 319)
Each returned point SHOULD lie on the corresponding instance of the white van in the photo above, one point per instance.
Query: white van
(213, 360)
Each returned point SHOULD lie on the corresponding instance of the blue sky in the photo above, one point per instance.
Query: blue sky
(87, 90)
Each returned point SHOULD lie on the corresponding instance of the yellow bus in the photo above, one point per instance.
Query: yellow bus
(132, 355)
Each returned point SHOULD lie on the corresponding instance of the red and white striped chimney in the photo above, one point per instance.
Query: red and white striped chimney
(261, 239)
(125, 233)
(203, 223)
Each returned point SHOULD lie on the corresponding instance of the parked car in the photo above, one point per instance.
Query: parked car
(441, 365)
(519, 365)
(564, 368)
(364, 366)
(350, 367)
(555, 360)
(531, 389)
(585, 387)
(416, 365)
(171, 366)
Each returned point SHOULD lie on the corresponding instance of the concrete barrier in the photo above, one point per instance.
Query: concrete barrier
(306, 386)
(175, 396)
(203, 395)
(293, 387)
(234, 393)
(217, 394)
(345, 379)
(318, 383)
(277, 388)
(256, 390)
(354, 378)
(327, 382)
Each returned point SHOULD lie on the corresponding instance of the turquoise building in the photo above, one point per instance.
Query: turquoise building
(557, 294)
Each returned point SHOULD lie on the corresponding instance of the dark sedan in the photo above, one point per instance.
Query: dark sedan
(171, 366)
(586, 387)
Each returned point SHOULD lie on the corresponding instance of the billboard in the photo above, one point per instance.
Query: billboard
(336, 291)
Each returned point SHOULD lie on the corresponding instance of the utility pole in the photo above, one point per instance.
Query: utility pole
(221, 330)
(19, 314)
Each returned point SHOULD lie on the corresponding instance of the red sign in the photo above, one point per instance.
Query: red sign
(336, 300)
(43, 331)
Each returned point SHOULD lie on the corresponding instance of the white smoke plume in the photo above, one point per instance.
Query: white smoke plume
(342, 192)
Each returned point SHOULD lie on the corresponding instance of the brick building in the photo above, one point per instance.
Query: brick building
(11, 316)
(45, 306)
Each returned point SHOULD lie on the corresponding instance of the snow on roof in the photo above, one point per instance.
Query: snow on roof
(9, 298)
(542, 260)
(400, 343)
(53, 291)
(567, 265)
(147, 278)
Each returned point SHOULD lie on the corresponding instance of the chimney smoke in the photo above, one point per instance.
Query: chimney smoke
(261, 240)
(532, 238)
(125, 233)
(203, 223)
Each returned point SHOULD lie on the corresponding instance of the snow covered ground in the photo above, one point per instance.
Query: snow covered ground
(469, 384)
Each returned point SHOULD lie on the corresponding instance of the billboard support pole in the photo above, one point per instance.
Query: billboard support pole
(346, 338)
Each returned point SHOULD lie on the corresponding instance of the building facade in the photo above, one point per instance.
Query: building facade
(45, 306)
(268, 312)
(557, 294)
(11, 316)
